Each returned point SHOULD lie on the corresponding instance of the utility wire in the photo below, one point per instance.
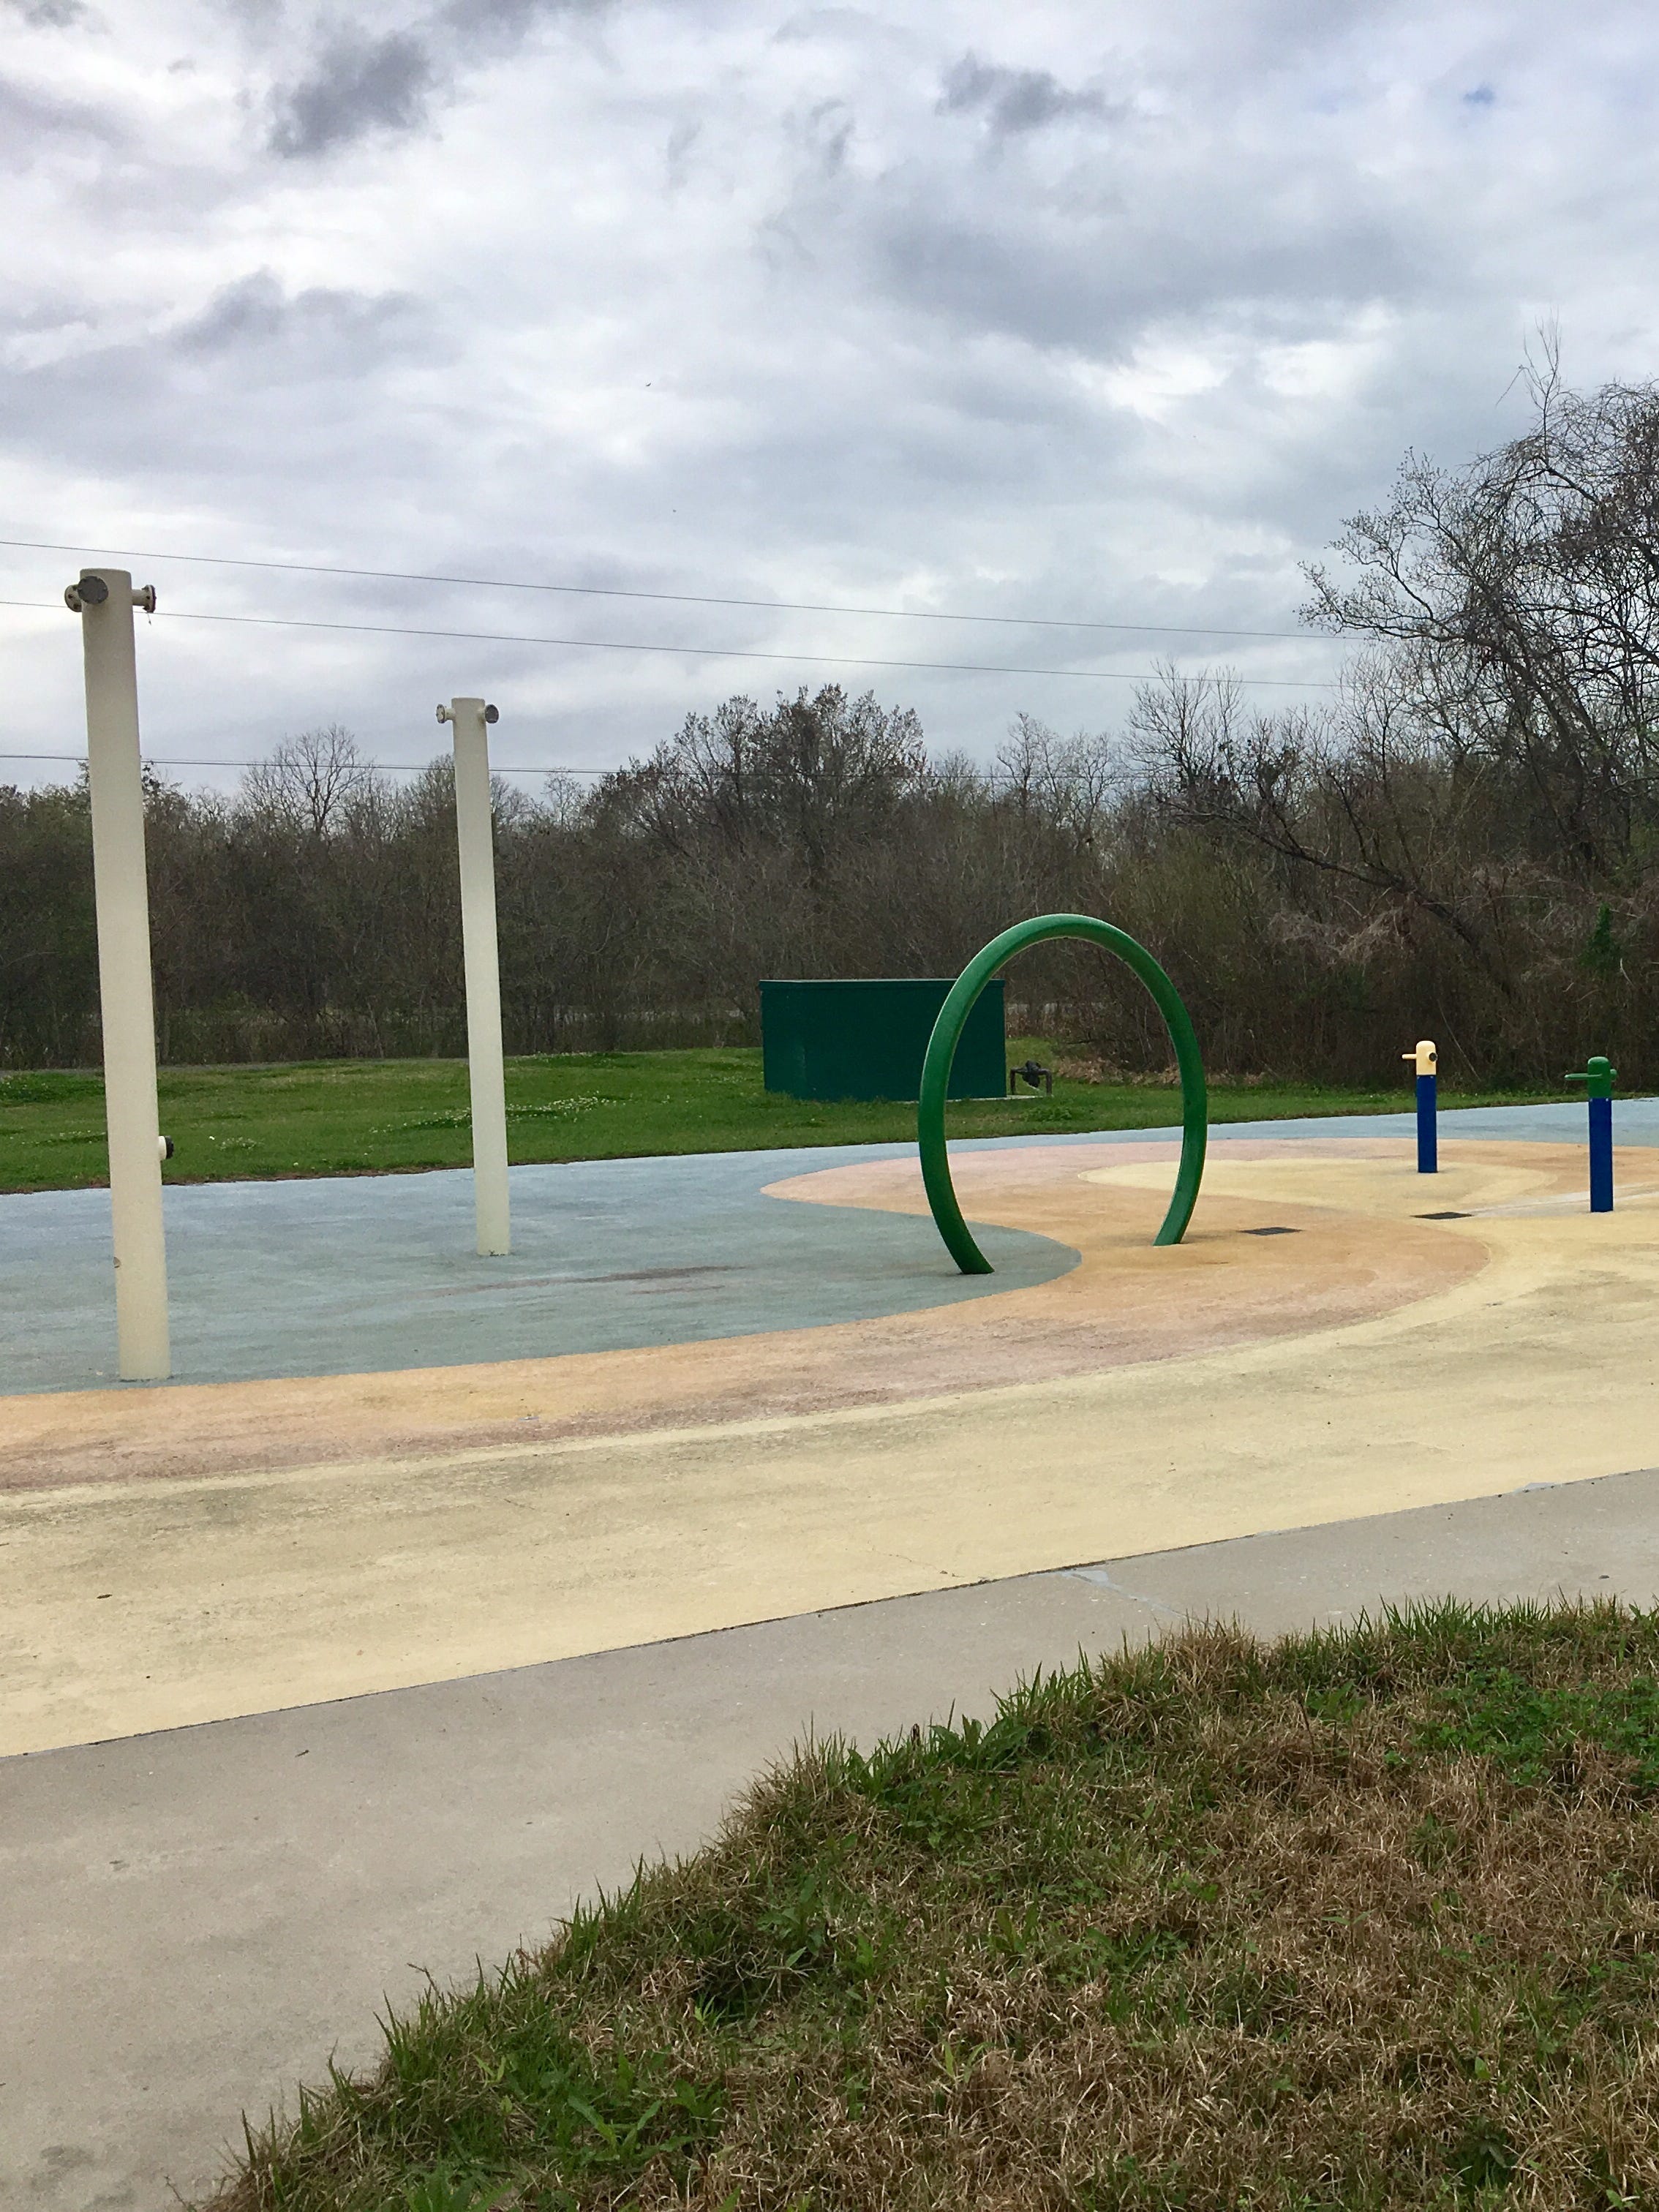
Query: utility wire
(698, 652)
(672, 599)
(387, 767)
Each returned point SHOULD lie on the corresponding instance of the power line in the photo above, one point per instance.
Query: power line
(697, 652)
(667, 599)
(387, 767)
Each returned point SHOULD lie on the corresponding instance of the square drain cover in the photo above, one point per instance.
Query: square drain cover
(1272, 1232)
(1453, 1216)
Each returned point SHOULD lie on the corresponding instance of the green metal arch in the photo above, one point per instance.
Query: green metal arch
(942, 1052)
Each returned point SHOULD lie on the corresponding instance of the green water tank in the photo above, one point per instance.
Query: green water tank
(865, 1038)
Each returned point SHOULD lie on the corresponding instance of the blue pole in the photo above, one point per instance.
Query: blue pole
(1601, 1155)
(1425, 1059)
(1598, 1080)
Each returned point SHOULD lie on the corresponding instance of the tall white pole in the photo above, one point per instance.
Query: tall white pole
(104, 599)
(476, 840)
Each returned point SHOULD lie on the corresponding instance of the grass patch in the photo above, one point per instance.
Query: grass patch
(1366, 1919)
(380, 1116)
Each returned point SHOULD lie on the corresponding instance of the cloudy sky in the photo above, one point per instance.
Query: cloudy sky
(1073, 311)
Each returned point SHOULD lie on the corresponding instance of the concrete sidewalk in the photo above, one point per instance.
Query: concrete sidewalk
(196, 1919)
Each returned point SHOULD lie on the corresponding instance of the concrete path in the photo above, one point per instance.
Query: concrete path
(195, 1920)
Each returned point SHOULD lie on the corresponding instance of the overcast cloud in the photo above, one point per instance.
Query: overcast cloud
(1066, 311)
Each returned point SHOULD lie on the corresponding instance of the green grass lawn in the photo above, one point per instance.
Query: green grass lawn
(379, 1116)
(1362, 1920)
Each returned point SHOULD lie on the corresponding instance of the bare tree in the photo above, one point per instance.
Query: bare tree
(313, 779)
(816, 773)
(1070, 782)
(1519, 597)
(1360, 793)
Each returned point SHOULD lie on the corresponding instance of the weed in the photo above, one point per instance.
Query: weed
(1362, 1919)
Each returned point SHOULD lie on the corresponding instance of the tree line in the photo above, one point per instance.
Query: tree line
(1464, 843)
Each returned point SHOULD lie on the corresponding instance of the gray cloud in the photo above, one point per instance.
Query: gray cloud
(1094, 281)
(321, 329)
(355, 87)
(210, 396)
(1119, 323)
(494, 24)
(32, 120)
(51, 15)
(1012, 100)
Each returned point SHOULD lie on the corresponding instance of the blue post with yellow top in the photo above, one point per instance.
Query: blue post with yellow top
(1427, 1060)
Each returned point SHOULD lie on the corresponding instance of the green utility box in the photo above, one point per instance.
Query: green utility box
(867, 1038)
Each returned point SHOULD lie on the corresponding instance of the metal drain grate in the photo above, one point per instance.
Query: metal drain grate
(1453, 1216)
(1271, 1232)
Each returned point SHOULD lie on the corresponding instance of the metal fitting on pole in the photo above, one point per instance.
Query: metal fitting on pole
(1598, 1077)
(1426, 1061)
(104, 599)
(475, 842)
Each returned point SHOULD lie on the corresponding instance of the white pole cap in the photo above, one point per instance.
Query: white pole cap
(1427, 1057)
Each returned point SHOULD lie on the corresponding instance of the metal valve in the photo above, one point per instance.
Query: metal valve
(91, 591)
(1597, 1076)
(1426, 1060)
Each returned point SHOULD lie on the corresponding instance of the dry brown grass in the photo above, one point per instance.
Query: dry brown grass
(1363, 1920)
